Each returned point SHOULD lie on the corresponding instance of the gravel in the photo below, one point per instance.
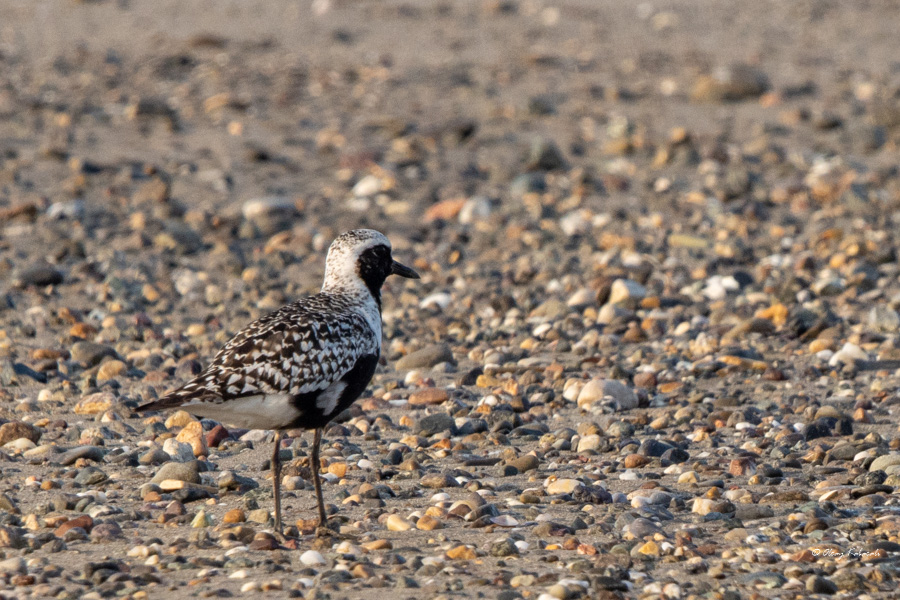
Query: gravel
(653, 352)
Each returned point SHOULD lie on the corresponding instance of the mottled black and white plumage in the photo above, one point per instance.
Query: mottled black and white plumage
(303, 364)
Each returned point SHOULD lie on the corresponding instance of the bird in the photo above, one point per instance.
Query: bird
(303, 364)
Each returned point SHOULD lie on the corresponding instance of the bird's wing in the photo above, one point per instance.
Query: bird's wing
(294, 350)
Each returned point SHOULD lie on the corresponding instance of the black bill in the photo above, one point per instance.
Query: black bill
(403, 271)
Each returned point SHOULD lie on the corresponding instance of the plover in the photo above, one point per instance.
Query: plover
(300, 366)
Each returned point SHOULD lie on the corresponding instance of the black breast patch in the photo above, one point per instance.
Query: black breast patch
(357, 379)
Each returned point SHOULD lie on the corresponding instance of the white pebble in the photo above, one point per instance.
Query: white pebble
(179, 451)
(505, 521)
(311, 558)
(367, 186)
(439, 300)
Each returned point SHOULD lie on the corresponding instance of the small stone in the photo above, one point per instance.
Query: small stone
(90, 476)
(544, 155)
(742, 467)
(40, 274)
(179, 451)
(83, 522)
(688, 477)
(179, 418)
(233, 516)
(649, 549)
(216, 436)
(598, 389)
(106, 532)
(90, 354)
(11, 537)
(200, 520)
(429, 397)
(271, 214)
(503, 548)
(522, 581)
(95, 403)
(192, 434)
(436, 423)
(820, 585)
(475, 209)
(653, 448)
(438, 481)
(69, 457)
(635, 461)
(428, 523)
(562, 486)
(461, 552)
(179, 471)
(154, 456)
(589, 443)
(311, 558)
(705, 506)
(627, 293)
(15, 430)
(111, 369)
(397, 523)
(526, 462)
(11, 566)
(884, 319)
(730, 84)
(847, 355)
(425, 357)
(259, 515)
(884, 462)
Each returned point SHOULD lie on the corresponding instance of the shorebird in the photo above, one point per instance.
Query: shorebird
(300, 366)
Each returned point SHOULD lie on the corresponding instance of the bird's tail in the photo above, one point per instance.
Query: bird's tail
(179, 397)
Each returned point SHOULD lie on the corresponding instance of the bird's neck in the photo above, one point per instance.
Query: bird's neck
(354, 288)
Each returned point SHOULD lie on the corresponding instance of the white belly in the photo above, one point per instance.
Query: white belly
(273, 411)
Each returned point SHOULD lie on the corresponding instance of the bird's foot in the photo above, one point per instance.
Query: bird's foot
(328, 529)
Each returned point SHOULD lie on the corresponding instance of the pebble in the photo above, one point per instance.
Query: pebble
(436, 423)
(562, 486)
(885, 462)
(730, 83)
(188, 471)
(649, 355)
(69, 457)
(15, 430)
(95, 403)
(428, 397)
(178, 450)
(40, 274)
(524, 463)
(111, 369)
(311, 558)
(397, 523)
(13, 565)
(270, 214)
(626, 292)
(192, 434)
(597, 389)
(425, 357)
(90, 354)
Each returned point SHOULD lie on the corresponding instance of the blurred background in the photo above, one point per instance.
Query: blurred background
(137, 138)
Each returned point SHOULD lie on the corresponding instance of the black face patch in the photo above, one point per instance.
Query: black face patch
(374, 266)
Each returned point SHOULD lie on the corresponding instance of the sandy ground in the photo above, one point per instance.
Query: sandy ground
(218, 103)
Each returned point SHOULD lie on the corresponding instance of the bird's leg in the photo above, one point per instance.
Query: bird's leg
(314, 467)
(276, 483)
